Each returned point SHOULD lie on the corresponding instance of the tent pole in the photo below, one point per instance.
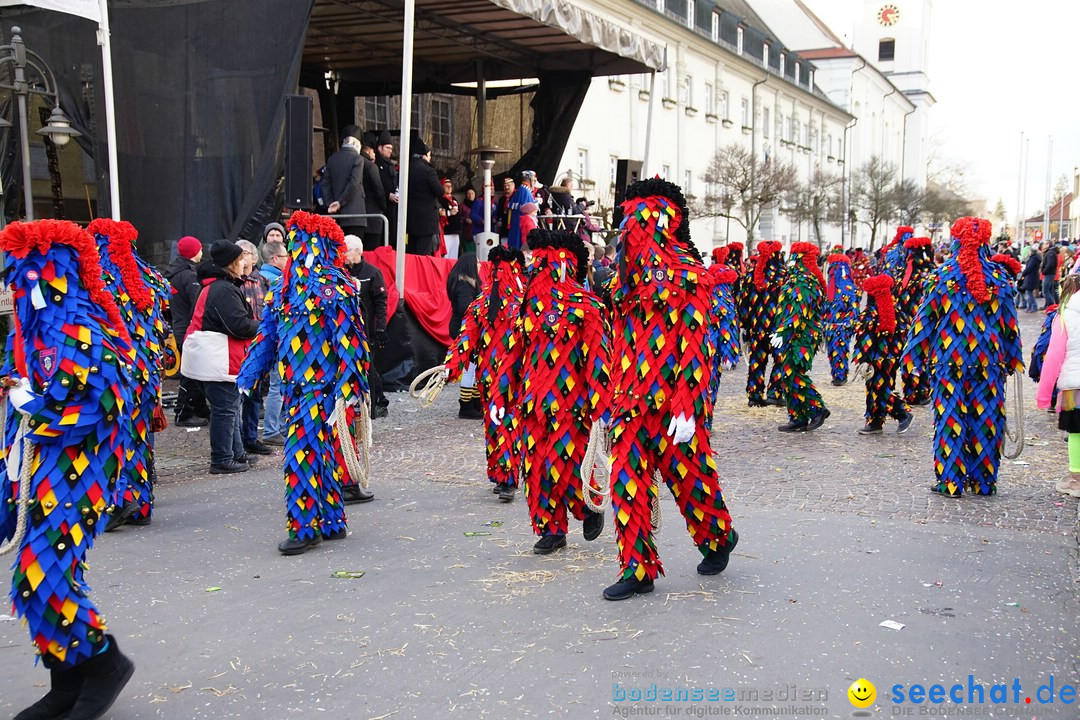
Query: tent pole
(405, 151)
(110, 110)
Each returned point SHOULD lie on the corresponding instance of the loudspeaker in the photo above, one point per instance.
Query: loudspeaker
(626, 172)
(298, 136)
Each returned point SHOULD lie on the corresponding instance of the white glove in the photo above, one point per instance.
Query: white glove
(866, 370)
(777, 341)
(445, 373)
(244, 392)
(353, 400)
(21, 395)
(496, 413)
(681, 429)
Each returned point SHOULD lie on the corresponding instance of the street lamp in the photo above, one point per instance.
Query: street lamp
(58, 129)
(486, 240)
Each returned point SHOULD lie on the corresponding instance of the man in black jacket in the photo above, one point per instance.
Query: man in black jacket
(191, 407)
(369, 280)
(343, 183)
(374, 193)
(422, 218)
(384, 153)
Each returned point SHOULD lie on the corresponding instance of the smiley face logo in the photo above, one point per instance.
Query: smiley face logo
(862, 693)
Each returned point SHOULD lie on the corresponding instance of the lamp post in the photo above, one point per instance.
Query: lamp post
(58, 129)
(486, 240)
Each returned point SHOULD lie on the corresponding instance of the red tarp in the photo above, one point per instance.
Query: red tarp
(425, 289)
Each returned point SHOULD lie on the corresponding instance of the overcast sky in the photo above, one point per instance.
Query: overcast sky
(997, 69)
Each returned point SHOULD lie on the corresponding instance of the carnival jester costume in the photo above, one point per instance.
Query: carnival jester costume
(894, 255)
(659, 389)
(965, 338)
(484, 337)
(841, 308)
(312, 327)
(757, 317)
(797, 336)
(141, 294)
(723, 320)
(70, 357)
(878, 344)
(555, 372)
(909, 288)
(1038, 350)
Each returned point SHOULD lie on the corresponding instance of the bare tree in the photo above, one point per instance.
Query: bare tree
(943, 206)
(740, 187)
(910, 202)
(1061, 188)
(872, 194)
(817, 201)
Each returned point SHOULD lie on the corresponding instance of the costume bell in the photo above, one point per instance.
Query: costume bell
(797, 336)
(555, 372)
(909, 288)
(484, 338)
(69, 357)
(141, 294)
(758, 305)
(877, 349)
(312, 327)
(659, 387)
(841, 308)
(965, 339)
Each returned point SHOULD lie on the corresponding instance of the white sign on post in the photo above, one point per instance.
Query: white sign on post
(7, 301)
(89, 9)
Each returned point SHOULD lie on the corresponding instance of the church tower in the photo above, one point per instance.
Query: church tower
(894, 35)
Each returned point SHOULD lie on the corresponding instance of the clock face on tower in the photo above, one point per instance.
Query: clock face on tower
(888, 15)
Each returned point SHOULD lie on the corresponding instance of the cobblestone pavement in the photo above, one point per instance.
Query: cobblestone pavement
(838, 533)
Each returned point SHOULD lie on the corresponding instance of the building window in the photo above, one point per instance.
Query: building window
(810, 81)
(375, 109)
(787, 128)
(765, 121)
(886, 50)
(583, 163)
(667, 83)
(716, 27)
(765, 54)
(708, 98)
(665, 171)
(745, 105)
(613, 168)
(723, 105)
(688, 91)
(796, 130)
(828, 142)
(442, 134)
(738, 40)
(691, 13)
(798, 73)
(417, 116)
(805, 135)
(686, 183)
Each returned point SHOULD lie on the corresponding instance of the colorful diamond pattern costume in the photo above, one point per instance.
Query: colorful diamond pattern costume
(841, 309)
(909, 289)
(723, 321)
(799, 329)
(758, 305)
(878, 345)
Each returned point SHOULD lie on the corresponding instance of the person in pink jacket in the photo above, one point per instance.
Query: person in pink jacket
(1061, 367)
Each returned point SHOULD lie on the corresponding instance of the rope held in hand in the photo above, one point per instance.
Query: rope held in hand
(357, 450)
(1015, 435)
(433, 382)
(19, 462)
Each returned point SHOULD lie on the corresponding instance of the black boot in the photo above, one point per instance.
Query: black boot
(756, 403)
(295, 546)
(103, 677)
(352, 494)
(549, 544)
(506, 492)
(793, 426)
(628, 588)
(716, 561)
(818, 420)
(593, 525)
(469, 410)
(122, 515)
(66, 684)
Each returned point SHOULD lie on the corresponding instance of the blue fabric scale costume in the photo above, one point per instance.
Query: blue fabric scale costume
(69, 357)
(723, 320)
(312, 327)
(841, 308)
(965, 337)
(1038, 350)
(141, 296)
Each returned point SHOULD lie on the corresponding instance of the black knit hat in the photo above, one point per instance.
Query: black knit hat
(370, 139)
(384, 138)
(351, 131)
(224, 252)
(417, 146)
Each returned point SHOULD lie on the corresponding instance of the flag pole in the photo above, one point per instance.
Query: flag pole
(103, 37)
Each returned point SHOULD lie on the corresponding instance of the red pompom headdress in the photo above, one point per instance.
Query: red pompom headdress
(766, 249)
(323, 226)
(879, 287)
(121, 243)
(917, 242)
(726, 276)
(809, 252)
(973, 234)
(1008, 261)
(900, 233)
(720, 254)
(837, 259)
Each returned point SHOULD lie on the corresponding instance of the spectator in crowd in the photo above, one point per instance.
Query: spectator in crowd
(462, 287)
(1051, 272)
(521, 196)
(372, 294)
(527, 223)
(477, 214)
(501, 222)
(450, 219)
(422, 220)
(343, 184)
(221, 329)
(274, 257)
(1029, 280)
(388, 176)
(251, 406)
(191, 407)
(374, 194)
(467, 228)
(602, 267)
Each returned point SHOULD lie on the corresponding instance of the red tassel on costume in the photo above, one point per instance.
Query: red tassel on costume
(719, 255)
(809, 252)
(917, 242)
(1008, 261)
(879, 287)
(122, 236)
(972, 233)
(766, 249)
(322, 225)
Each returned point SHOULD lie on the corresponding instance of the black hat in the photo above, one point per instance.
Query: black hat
(351, 131)
(224, 252)
(384, 138)
(370, 139)
(418, 146)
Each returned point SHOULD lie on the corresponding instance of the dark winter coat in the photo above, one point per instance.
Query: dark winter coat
(1029, 278)
(185, 293)
(344, 183)
(374, 193)
(227, 310)
(1050, 263)
(424, 191)
(372, 295)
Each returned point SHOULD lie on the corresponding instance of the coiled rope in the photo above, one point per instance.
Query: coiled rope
(356, 450)
(1014, 431)
(433, 381)
(19, 462)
